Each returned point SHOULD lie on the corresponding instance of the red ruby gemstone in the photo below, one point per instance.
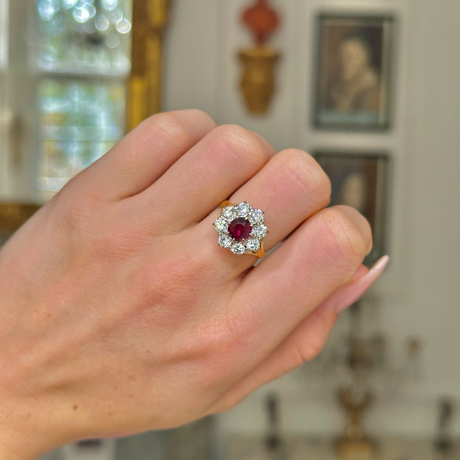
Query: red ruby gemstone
(239, 229)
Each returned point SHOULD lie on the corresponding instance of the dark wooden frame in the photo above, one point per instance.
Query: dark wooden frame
(389, 97)
(380, 232)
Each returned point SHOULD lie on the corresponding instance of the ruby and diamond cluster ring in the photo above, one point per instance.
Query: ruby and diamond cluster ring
(241, 229)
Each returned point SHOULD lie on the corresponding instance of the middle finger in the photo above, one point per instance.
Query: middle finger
(205, 176)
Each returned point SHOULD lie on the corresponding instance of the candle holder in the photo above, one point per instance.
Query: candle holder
(357, 369)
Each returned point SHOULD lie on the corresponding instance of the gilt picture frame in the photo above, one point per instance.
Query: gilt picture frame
(12, 216)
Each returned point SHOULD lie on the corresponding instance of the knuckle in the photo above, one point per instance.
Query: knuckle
(241, 146)
(302, 171)
(345, 242)
(169, 127)
(306, 351)
(199, 117)
(309, 346)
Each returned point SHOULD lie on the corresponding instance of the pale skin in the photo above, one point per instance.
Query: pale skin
(119, 312)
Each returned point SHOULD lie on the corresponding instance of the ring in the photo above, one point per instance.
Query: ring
(241, 229)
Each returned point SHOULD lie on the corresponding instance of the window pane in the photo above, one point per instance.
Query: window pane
(3, 34)
(84, 36)
(79, 121)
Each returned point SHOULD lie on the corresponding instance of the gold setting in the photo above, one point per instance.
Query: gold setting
(261, 252)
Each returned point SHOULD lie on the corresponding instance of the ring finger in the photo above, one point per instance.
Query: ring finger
(289, 189)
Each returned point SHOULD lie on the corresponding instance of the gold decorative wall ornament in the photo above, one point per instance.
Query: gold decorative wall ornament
(258, 80)
(144, 88)
(258, 61)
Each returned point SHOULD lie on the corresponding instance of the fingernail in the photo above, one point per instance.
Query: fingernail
(357, 287)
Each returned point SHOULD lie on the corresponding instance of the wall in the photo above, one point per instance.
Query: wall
(420, 292)
(17, 104)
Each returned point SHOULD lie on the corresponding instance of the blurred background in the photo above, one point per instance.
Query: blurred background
(372, 89)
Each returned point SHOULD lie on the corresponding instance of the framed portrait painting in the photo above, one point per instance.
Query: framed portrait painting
(352, 88)
(360, 180)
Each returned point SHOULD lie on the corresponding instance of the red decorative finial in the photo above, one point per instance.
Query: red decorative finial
(262, 20)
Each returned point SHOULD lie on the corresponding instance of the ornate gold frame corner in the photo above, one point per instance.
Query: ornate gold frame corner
(144, 86)
(12, 216)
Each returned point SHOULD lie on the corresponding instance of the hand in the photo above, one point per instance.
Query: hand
(119, 311)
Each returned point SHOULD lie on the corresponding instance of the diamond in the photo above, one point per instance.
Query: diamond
(225, 241)
(252, 244)
(229, 213)
(259, 231)
(239, 229)
(256, 217)
(243, 209)
(238, 248)
(221, 225)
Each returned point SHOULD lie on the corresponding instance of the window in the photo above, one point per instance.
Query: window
(84, 36)
(79, 121)
(84, 55)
